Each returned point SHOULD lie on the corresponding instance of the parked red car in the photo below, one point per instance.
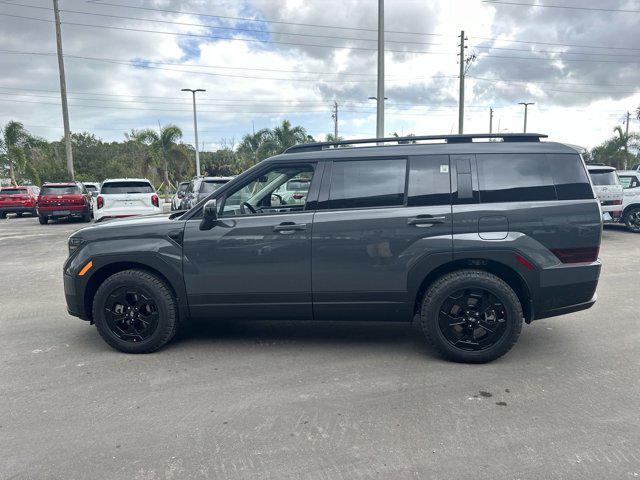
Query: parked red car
(18, 200)
(64, 200)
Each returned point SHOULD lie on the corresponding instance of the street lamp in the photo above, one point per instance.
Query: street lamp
(195, 124)
(526, 108)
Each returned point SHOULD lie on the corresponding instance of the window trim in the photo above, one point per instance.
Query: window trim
(325, 189)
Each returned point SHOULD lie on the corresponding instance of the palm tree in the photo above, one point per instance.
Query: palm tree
(251, 145)
(162, 143)
(283, 137)
(13, 142)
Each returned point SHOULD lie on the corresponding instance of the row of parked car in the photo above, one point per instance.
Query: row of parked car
(619, 194)
(114, 198)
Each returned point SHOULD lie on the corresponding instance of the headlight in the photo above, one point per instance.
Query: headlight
(74, 244)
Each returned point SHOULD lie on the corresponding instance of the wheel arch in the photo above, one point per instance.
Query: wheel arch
(109, 269)
(499, 269)
(630, 207)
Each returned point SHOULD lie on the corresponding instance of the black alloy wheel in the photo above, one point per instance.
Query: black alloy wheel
(472, 319)
(131, 314)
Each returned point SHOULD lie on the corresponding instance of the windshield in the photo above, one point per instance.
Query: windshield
(126, 187)
(209, 186)
(91, 188)
(13, 191)
(60, 190)
(604, 177)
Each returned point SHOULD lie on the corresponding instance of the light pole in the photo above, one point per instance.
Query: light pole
(526, 109)
(379, 134)
(195, 124)
(380, 95)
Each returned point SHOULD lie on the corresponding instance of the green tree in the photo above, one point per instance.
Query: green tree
(278, 139)
(15, 139)
(164, 146)
(617, 150)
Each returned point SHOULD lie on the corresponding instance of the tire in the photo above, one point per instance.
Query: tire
(444, 289)
(86, 217)
(632, 219)
(3, 215)
(156, 290)
(19, 214)
(43, 219)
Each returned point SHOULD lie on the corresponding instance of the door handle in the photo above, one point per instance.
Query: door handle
(289, 227)
(425, 220)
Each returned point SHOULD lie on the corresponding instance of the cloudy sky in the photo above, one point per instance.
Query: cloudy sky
(262, 61)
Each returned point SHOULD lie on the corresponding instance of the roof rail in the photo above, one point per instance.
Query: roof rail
(464, 138)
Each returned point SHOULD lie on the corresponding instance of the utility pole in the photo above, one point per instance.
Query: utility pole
(195, 124)
(626, 147)
(526, 109)
(462, 73)
(490, 120)
(380, 96)
(63, 94)
(334, 115)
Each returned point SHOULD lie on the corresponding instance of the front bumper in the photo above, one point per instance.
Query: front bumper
(75, 303)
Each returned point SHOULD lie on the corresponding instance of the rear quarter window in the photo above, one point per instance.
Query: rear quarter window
(126, 187)
(514, 178)
(570, 177)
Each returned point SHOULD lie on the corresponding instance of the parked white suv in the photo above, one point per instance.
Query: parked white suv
(608, 189)
(126, 197)
(630, 181)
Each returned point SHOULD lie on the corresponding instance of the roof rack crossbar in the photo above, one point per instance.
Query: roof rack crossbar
(464, 138)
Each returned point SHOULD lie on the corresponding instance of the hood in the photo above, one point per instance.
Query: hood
(143, 226)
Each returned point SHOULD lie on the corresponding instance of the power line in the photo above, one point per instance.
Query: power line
(585, 60)
(143, 64)
(556, 44)
(507, 80)
(217, 27)
(487, 47)
(566, 7)
(225, 17)
(216, 37)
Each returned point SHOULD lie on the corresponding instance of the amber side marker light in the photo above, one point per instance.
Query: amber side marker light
(85, 269)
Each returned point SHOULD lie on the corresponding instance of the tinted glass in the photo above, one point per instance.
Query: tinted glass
(183, 187)
(603, 177)
(209, 186)
(60, 190)
(514, 178)
(370, 183)
(91, 188)
(126, 187)
(570, 177)
(13, 191)
(429, 182)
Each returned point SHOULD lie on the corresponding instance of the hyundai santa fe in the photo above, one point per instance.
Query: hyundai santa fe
(469, 238)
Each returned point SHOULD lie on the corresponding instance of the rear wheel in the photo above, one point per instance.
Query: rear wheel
(19, 214)
(471, 316)
(86, 217)
(135, 312)
(632, 219)
(43, 219)
(3, 214)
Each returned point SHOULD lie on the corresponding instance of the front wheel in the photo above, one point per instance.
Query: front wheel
(632, 220)
(471, 316)
(135, 311)
(43, 219)
(3, 215)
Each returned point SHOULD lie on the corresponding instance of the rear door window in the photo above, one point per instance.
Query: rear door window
(570, 177)
(429, 182)
(111, 188)
(368, 183)
(626, 181)
(514, 178)
(60, 190)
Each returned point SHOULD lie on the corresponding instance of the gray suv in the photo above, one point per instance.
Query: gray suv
(469, 238)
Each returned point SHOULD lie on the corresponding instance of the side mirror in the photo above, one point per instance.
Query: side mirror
(209, 215)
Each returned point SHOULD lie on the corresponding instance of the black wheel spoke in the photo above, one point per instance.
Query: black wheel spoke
(472, 319)
(131, 314)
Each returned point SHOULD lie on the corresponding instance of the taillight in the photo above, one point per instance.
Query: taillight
(298, 196)
(100, 202)
(155, 200)
(577, 255)
(617, 202)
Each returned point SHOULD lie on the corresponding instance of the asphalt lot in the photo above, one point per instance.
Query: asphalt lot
(289, 401)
